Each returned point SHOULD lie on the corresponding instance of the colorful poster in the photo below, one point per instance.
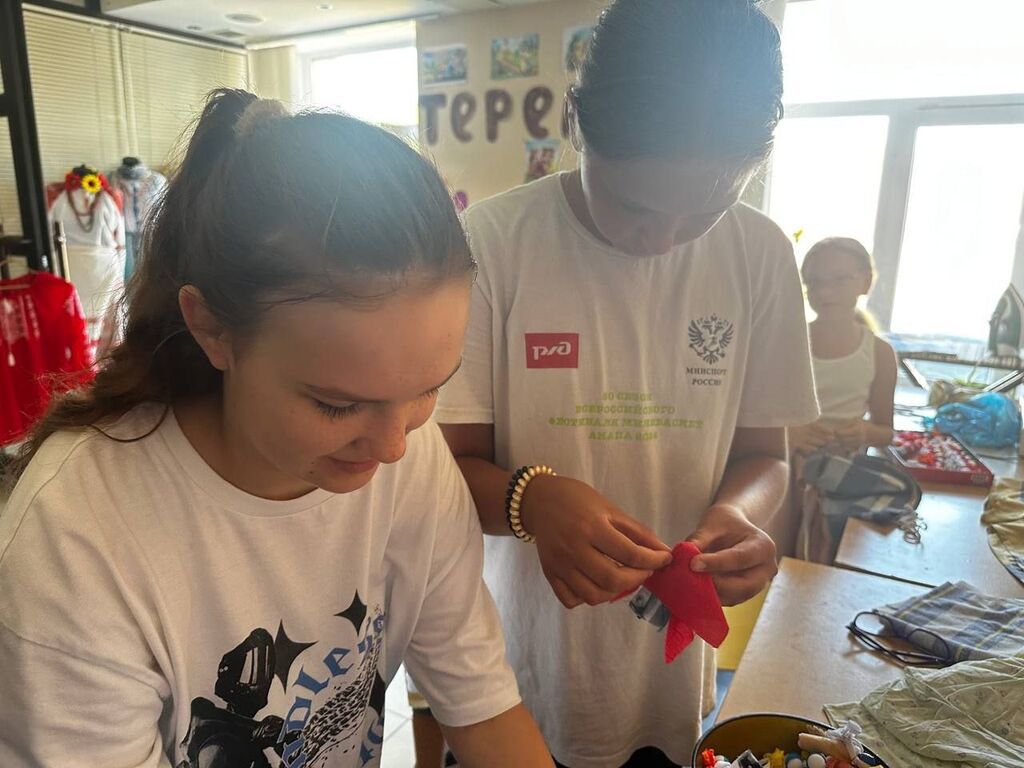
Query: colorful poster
(443, 66)
(575, 43)
(541, 155)
(515, 57)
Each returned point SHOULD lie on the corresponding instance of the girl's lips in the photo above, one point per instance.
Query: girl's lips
(355, 467)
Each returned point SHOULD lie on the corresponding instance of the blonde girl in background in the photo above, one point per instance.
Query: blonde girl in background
(854, 370)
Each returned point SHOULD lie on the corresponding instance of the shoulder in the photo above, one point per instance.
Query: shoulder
(505, 212)
(885, 355)
(77, 476)
(759, 233)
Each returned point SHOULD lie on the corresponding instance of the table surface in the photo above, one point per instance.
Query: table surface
(953, 547)
(800, 656)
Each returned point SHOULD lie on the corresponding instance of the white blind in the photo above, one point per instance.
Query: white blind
(10, 216)
(166, 83)
(76, 86)
(102, 93)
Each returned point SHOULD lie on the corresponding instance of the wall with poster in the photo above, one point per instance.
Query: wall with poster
(492, 85)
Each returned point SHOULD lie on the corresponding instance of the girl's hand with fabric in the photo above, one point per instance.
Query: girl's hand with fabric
(852, 434)
(738, 555)
(590, 550)
(810, 437)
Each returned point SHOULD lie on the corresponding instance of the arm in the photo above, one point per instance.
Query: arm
(590, 550)
(880, 400)
(739, 555)
(510, 740)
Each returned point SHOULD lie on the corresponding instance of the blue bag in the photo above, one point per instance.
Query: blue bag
(988, 420)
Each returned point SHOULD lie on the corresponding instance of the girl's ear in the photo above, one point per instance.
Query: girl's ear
(868, 281)
(206, 329)
(570, 122)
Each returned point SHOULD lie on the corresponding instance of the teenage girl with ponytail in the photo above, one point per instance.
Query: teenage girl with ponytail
(216, 555)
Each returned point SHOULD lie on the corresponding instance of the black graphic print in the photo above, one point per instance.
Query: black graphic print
(334, 704)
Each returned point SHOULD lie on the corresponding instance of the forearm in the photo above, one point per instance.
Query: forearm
(488, 483)
(510, 740)
(878, 435)
(755, 485)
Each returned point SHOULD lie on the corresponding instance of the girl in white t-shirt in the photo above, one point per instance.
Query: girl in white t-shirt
(640, 331)
(213, 555)
(854, 370)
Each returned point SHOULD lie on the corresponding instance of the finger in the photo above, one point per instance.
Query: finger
(618, 546)
(608, 575)
(565, 596)
(589, 592)
(748, 553)
(640, 533)
(736, 588)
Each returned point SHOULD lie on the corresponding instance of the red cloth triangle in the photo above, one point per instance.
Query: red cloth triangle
(692, 602)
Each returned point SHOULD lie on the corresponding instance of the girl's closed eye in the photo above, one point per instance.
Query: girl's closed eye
(336, 411)
(340, 411)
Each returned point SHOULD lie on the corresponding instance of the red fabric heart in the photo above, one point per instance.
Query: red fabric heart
(693, 604)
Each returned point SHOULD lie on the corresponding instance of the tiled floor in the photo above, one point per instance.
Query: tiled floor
(398, 746)
(398, 749)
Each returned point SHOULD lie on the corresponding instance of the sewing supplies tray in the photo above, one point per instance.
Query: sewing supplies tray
(934, 457)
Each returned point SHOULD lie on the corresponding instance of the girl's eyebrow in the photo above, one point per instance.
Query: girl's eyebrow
(339, 395)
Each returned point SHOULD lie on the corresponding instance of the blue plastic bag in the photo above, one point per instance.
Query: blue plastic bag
(988, 420)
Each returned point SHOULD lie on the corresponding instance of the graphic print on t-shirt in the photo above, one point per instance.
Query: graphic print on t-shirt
(328, 701)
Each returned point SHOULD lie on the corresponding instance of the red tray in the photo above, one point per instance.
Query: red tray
(974, 471)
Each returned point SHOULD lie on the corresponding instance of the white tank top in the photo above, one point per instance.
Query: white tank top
(844, 383)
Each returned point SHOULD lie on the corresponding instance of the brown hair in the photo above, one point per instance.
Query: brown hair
(664, 78)
(265, 208)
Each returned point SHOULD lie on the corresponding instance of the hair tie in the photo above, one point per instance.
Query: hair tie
(258, 113)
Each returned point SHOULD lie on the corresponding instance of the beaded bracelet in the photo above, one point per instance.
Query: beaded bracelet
(514, 498)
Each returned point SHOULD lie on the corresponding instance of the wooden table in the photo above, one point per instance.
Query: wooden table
(954, 546)
(800, 655)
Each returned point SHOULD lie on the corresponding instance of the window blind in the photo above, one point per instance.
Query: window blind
(166, 83)
(77, 89)
(10, 215)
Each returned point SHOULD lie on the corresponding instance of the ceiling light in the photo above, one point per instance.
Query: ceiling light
(194, 28)
(244, 18)
(325, 7)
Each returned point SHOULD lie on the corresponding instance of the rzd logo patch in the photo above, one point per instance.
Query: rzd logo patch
(552, 350)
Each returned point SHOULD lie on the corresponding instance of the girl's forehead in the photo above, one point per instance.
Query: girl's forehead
(833, 261)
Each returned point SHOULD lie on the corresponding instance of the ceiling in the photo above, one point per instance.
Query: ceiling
(256, 21)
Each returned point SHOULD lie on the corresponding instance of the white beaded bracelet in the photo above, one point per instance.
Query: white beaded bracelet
(514, 498)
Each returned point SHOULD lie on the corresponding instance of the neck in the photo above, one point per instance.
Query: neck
(572, 186)
(212, 431)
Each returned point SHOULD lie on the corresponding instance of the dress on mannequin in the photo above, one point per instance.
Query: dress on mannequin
(141, 187)
(94, 228)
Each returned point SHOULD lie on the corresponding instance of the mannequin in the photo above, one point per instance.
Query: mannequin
(141, 187)
(95, 238)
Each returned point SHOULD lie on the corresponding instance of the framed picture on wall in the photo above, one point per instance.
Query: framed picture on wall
(446, 65)
(575, 43)
(515, 56)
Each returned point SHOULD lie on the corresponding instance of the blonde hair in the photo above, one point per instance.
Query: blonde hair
(864, 260)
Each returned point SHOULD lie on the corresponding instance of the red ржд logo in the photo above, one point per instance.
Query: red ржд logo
(552, 350)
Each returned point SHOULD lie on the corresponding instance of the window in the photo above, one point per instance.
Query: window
(825, 177)
(376, 86)
(905, 129)
(369, 73)
(966, 200)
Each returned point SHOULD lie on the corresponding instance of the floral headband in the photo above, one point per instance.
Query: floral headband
(91, 182)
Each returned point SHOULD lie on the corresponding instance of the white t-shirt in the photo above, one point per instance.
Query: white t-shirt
(844, 383)
(152, 614)
(630, 374)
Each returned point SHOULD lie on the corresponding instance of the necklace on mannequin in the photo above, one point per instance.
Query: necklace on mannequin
(93, 183)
